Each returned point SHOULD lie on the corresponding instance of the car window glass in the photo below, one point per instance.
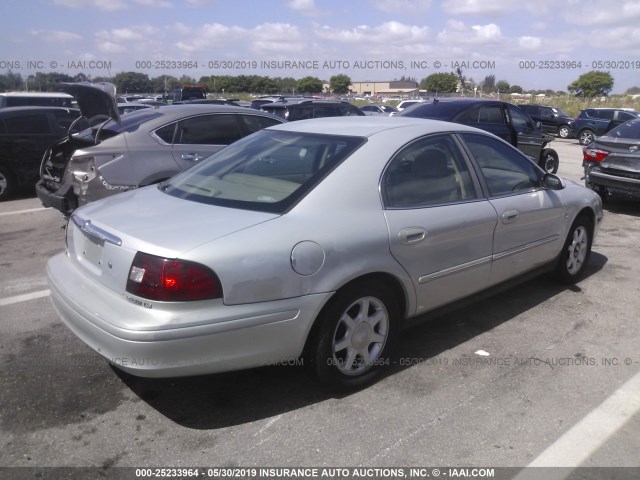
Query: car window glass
(626, 116)
(166, 133)
(590, 112)
(504, 168)
(29, 124)
(253, 123)
(630, 130)
(208, 130)
(519, 120)
(3, 129)
(606, 114)
(546, 113)
(267, 171)
(483, 114)
(428, 172)
(301, 113)
(326, 111)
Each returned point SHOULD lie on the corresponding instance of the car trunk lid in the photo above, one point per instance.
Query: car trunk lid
(103, 237)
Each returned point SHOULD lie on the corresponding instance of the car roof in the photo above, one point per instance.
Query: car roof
(170, 112)
(370, 125)
(35, 108)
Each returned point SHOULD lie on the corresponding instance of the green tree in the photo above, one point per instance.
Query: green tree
(340, 83)
(132, 82)
(633, 91)
(489, 83)
(515, 89)
(440, 82)
(592, 84)
(11, 81)
(309, 85)
(503, 86)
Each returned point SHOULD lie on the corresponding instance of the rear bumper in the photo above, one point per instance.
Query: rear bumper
(62, 199)
(625, 185)
(159, 342)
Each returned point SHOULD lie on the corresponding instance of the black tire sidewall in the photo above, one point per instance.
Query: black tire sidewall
(322, 356)
(11, 184)
(561, 270)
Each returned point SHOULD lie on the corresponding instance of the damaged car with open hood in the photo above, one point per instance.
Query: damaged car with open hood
(114, 154)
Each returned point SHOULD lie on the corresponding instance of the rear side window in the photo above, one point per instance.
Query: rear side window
(430, 171)
(29, 124)
(208, 130)
(605, 114)
(483, 114)
(253, 123)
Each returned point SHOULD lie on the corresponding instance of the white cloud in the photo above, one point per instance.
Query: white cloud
(277, 38)
(399, 7)
(529, 43)
(155, 3)
(56, 36)
(604, 13)
(389, 33)
(457, 33)
(305, 7)
(209, 37)
(108, 5)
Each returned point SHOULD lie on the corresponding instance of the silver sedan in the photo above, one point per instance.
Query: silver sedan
(312, 240)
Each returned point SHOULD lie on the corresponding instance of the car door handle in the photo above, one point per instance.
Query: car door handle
(192, 157)
(411, 235)
(510, 216)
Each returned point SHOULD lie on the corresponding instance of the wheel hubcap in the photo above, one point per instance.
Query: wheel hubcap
(3, 183)
(549, 163)
(360, 336)
(577, 250)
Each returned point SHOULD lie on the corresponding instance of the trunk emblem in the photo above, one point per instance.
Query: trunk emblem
(633, 148)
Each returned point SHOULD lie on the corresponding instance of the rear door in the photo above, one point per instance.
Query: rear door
(198, 137)
(529, 138)
(490, 117)
(440, 229)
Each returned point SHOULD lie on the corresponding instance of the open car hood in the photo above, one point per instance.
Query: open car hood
(93, 98)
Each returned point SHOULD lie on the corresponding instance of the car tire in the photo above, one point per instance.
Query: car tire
(356, 333)
(549, 160)
(8, 183)
(563, 131)
(586, 136)
(576, 251)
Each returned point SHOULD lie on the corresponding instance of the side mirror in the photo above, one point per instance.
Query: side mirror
(552, 182)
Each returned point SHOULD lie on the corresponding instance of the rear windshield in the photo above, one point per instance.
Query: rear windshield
(268, 171)
(630, 130)
(129, 122)
(441, 110)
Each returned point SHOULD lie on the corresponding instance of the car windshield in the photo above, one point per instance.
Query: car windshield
(442, 110)
(629, 130)
(131, 121)
(268, 171)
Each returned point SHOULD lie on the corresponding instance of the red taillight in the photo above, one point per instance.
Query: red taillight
(171, 280)
(594, 154)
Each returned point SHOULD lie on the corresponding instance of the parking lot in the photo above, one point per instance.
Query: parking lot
(559, 386)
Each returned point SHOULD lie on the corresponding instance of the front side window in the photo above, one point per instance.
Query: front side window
(430, 171)
(519, 120)
(505, 170)
(208, 130)
(268, 171)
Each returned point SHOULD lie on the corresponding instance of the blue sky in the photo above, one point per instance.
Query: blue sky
(365, 39)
